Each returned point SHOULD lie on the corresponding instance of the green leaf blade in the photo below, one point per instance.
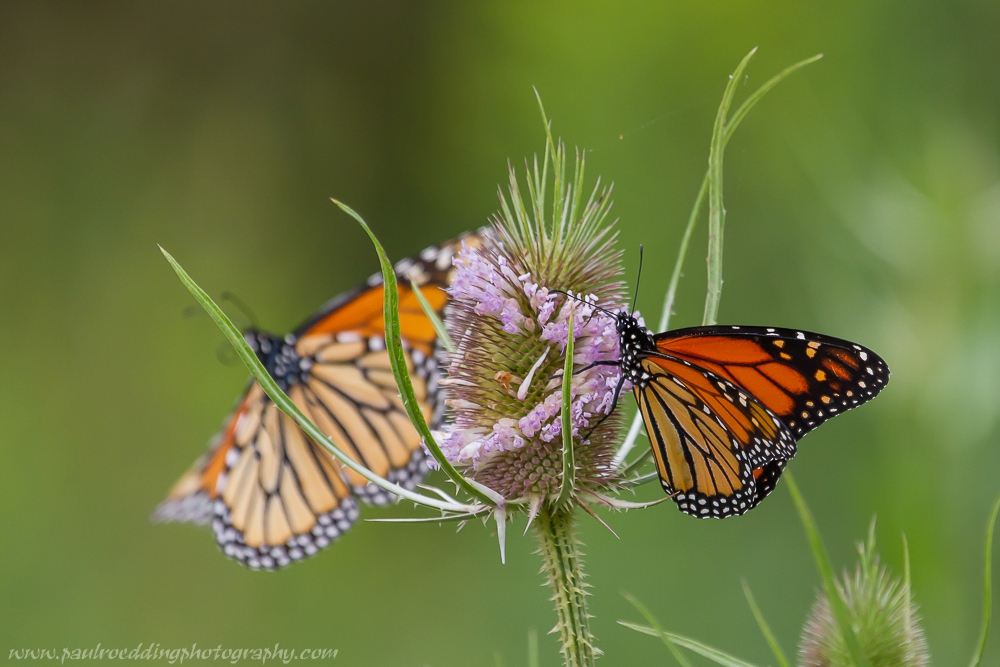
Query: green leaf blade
(987, 588)
(704, 650)
(436, 322)
(716, 209)
(750, 102)
(837, 605)
(285, 404)
(569, 460)
(397, 361)
(765, 629)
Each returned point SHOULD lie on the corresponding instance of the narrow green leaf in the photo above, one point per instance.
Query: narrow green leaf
(640, 461)
(837, 604)
(713, 654)
(675, 277)
(285, 404)
(428, 519)
(436, 322)
(750, 102)
(678, 656)
(569, 462)
(906, 587)
(639, 480)
(716, 209)
(779, 655)
(397, 360)
(532, 648)
(628, 443)
(987, 587)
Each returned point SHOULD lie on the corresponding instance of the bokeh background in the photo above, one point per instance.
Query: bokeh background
(863, 201)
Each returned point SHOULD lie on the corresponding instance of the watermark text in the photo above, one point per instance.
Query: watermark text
(175, 656)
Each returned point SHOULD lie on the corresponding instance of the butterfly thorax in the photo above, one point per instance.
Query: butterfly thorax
(279, 357)
(634, 342)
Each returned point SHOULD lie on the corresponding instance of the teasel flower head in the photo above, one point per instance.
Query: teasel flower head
(881, 611)
(542, 264)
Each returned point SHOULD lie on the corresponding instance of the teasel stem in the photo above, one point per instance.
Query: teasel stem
(563, 564)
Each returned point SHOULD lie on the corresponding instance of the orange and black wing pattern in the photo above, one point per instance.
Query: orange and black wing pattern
(724, 406)
(804, 378)
(711, 441)
(272, 494)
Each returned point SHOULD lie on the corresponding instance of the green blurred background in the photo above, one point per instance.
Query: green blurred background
(863, 201)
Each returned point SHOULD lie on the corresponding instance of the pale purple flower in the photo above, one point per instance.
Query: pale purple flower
(511, 327)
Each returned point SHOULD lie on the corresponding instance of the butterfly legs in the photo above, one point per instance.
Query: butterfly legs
(614, 404)
(558, 374)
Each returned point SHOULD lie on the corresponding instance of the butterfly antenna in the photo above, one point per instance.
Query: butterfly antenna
(637, 277)
(576, 298)
(241, 305)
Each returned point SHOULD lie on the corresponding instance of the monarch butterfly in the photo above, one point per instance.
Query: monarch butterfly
(272, 494)
(725, 405)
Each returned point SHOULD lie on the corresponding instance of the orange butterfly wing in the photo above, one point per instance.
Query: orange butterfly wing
(360, 310)
(805, 378)
(763, 387)
(275, 495)
(712, 443)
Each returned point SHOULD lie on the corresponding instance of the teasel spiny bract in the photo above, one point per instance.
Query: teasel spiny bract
(881, 612)
(513, 298)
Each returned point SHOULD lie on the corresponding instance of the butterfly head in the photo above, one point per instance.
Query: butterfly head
(279, 357)
(633, 340)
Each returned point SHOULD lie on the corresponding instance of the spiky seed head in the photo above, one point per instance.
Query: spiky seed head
(882, 613)
(510, 328)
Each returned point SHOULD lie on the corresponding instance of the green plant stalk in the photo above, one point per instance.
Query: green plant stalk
(716, 209)
(731, 125)
(563, 565)
(436, 322)
(286, 405)
(987, 586)
(397, 360)
(765, 629)
(837, 604)
(569, 461)
(906, 584)
(675, 277)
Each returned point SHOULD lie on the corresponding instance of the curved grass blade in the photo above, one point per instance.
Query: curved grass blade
(639, 461)
(907, 600)
(532, 648)
(987, 587)
(750, 102)
(716, 209)
(675, 277)
(837, 604)
(436, 322)
(713, 654)
(430, 519)
(765, 629)
(633, 482)
(286, 405)
(569, 462)
(678, 656)
(397, 359)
